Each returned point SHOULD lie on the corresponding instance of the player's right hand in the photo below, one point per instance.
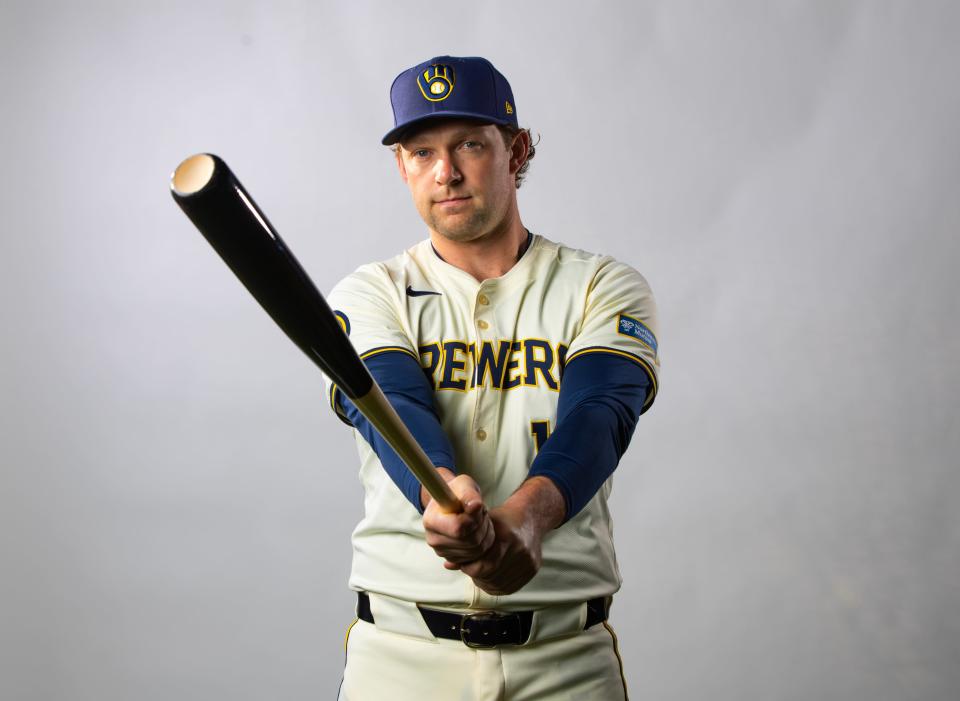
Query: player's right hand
(462, 537)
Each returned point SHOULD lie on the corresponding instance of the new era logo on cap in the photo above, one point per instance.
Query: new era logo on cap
(450, 86)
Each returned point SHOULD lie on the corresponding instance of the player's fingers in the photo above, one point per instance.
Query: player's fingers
(482, 560)
(487, 535)
(452, 532)
(467, 491)
(459, 552)
(503, 582)
(469, 527)
(487, 566)
(462, 546)
(501, 571)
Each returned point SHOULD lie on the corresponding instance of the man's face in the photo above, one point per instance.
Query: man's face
(460, 176)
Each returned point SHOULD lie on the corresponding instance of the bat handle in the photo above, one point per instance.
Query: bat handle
(381, 414)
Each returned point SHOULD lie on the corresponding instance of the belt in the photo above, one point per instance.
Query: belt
(485, 629)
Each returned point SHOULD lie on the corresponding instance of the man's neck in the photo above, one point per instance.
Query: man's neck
(488, 257)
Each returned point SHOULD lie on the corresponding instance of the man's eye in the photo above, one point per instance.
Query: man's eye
(471, 144)
(421, 153)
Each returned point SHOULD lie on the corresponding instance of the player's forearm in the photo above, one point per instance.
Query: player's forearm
(406, 388)
(601, 397)
(541, 503)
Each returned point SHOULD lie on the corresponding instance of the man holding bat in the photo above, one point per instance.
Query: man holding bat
(521, 366)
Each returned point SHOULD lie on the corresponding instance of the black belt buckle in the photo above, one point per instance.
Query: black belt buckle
(489, 629)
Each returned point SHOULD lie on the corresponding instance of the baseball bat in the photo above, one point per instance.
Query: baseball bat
(214, 200)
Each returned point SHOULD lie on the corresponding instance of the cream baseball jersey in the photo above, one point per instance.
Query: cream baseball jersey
(494, 353)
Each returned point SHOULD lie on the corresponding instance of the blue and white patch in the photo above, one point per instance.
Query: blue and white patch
(628, 326)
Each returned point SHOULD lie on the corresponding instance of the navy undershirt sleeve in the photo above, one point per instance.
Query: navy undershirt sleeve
(406, 387)
(601, 397)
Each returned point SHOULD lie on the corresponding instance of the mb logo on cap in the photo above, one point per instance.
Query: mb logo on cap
(436, 83)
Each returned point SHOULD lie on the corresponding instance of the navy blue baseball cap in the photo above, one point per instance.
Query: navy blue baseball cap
(450, 86)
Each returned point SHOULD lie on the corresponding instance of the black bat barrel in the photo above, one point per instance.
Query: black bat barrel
(211, 196)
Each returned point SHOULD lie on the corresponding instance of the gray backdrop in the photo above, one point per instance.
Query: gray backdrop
(177, 499)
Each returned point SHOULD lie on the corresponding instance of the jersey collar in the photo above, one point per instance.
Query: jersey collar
(526, 245)
(519, 275)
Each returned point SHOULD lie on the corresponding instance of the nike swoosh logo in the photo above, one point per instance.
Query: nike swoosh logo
(420, 293)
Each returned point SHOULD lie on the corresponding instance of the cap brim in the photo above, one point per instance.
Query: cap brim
(393, 135)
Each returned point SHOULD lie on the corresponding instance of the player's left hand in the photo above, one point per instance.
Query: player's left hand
(519, 525)
(512, 560)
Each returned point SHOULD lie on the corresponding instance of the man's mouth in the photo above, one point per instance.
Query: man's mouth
(451, 201)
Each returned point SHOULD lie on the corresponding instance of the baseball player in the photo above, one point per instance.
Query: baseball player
(521, 366)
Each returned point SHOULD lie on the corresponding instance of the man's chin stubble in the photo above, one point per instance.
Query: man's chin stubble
(465, 231)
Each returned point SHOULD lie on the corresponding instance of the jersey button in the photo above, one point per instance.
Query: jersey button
(481, 435)
(483, 325)
(483, 299)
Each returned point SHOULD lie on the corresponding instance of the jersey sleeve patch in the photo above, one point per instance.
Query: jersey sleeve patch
(343, 321)
(628, 326)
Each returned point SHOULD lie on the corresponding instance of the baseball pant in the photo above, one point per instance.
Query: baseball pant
(384, 665)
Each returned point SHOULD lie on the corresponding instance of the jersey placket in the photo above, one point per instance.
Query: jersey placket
(486, 407)
(484, 413)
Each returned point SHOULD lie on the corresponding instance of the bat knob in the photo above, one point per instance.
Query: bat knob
(193, 174)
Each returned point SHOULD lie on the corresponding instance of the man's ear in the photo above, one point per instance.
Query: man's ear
(400, 165)
(519, 150)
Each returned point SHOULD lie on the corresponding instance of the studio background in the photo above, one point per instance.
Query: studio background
(176, 498)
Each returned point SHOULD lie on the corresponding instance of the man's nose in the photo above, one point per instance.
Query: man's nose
(446, 173)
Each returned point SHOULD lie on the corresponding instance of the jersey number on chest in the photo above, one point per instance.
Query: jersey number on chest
(540, 430)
